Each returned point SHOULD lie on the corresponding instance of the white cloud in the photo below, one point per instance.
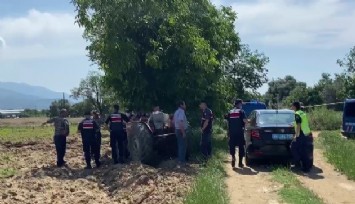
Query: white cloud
(2, 43)
(41, 35)
(299, 23)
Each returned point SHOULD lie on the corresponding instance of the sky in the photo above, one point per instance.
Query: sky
(41, 45)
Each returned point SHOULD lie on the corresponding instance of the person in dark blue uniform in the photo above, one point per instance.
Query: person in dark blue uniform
(117, 134)
(206, 130)
(236, 123)
(88, 129)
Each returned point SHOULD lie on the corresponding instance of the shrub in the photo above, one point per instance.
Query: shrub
(325, 119)
(339, 152)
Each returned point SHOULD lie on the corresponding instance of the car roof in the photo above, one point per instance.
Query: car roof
(350, 100)
(275, 111)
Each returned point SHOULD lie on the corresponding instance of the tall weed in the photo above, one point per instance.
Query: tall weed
(324, 119)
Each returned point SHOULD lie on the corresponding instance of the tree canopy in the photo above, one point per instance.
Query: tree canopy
(92, 89)
(158, 52)
(348, 63)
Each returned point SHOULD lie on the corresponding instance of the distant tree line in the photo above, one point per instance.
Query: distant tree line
(329, 89)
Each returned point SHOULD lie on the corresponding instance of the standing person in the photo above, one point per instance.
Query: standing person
(181, 125)
(157, 120)
(99, 122)
(206, 130)
(236, 123)
(125, 140)
(61, 131)
(117, 134)
(302, 135)
(88, 129)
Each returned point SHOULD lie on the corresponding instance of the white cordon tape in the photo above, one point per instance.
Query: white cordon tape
(326, 104)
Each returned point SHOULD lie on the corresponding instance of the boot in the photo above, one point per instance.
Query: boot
(233, 161)
(88, 167)
(98, 164)
(240, 164)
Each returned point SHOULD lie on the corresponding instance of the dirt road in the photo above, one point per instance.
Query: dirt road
(249, 185)
(328, 184)
(331, 186)
(38, 181)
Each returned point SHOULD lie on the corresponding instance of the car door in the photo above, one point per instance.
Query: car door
(250, 126)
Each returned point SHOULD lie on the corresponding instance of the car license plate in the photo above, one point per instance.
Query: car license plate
(282, 136)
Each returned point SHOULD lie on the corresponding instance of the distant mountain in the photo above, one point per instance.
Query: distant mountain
(38, 91)
(20, 95)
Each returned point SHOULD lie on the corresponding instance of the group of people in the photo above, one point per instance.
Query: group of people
(236, 125)
(90, 129)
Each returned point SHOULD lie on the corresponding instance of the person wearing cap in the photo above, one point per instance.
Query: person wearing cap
(117, 134)
(236, 123)
(88, 129)
(302, 135)
(206, 130)
(61, 131)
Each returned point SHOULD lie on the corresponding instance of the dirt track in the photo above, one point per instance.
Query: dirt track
(328, 184)
(255, 186)
(249, 185)
(38, 181)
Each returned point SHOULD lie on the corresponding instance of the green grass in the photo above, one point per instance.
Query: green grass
(293, 192)
(7, 172)
(325, 119)
(209, 186)
(16, 135)
(5, 161)
(339, 152)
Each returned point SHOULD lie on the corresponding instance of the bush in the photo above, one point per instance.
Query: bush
(339, 152)
(325, 119)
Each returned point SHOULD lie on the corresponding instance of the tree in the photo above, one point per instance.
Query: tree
(299, 93)
(331, 89)
(92, 90)
(34, 113)
(247, 71)
(80, 108)
(281, 88)
(156, 52)
(348, 63)
(57, 105)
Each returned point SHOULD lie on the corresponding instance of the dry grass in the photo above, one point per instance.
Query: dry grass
(26, 122)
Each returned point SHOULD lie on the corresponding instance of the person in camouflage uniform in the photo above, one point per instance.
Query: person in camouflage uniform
(61, 131)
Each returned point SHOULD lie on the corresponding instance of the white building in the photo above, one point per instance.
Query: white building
(11, 113)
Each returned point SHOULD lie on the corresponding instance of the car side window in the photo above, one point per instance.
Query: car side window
(252, 119)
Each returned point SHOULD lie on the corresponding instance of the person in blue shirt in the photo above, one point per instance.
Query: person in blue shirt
(181, 125)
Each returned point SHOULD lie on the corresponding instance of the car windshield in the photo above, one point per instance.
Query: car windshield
(349, 110)
(276, 118)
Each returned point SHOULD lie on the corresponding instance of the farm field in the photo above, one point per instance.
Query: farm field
(28, 174)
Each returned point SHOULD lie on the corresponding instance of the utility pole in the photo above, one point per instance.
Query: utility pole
(63, 102)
